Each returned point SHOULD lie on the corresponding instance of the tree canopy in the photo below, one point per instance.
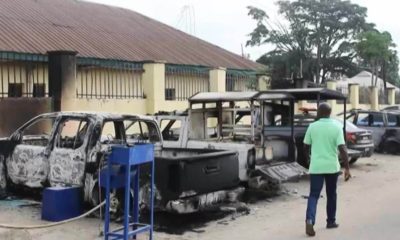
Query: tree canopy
(376, 49)
(319, 35)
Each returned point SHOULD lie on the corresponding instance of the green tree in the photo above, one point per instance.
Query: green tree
(376, 49)
(318, 32)
(391, 70)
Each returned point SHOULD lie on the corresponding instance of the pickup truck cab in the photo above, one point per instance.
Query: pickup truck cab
(314, 96)
(241, 122)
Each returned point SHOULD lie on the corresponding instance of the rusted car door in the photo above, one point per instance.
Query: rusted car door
(28, 163)
(68, 156)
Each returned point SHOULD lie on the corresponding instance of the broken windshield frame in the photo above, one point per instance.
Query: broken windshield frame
(221, 103)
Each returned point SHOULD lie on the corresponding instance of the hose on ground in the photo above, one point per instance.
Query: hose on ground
(2, 225)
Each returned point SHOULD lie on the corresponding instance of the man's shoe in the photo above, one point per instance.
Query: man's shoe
(332, 225)
(310, 229)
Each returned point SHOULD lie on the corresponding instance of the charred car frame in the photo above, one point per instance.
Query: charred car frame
(70, 149)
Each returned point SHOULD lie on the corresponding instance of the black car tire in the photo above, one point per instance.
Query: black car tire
(353, 160)
(391, 147)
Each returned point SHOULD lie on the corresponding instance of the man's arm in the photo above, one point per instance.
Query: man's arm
(345, 159)
(307, 145)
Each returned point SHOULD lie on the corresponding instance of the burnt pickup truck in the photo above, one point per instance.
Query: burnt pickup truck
(260, 126)
(241, 122)
(70, 149)
(385, 127)
(315, 96)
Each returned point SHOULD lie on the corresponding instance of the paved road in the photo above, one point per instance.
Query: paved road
(369, 209)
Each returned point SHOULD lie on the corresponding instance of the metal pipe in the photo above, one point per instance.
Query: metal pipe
(1, 79)
(86, 83)
(44, 78)
(8, 73)
(20, 76)
(108, 83)
(252, 109)
(125, 75)
(219, 108)
(95, 84)
(80, 77)
(293, 142)
(91, 83)
(120, 82)
(262, 110)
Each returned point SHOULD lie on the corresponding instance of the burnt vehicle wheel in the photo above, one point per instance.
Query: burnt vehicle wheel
(251, 159)
(116, 201)
(391, 147)
(301, 159)
(353, 160)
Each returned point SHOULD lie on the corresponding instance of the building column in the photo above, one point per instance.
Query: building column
(62, 80)
(332, 86)
(154, 85)
(391, 96)
(264, 82)
(374, 98)
(218, 80)
(354, 95)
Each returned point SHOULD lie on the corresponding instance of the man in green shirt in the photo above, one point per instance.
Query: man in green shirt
(324, 137)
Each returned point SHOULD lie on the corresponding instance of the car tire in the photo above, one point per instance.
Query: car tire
(353, 160)
(391, 148)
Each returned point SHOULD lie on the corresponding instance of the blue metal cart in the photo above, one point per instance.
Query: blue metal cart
(123, 166)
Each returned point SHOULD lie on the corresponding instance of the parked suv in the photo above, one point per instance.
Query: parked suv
(385, 127)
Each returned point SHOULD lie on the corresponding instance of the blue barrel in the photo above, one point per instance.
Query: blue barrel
(61, 203)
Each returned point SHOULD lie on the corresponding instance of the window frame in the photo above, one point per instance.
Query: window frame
(63, 119)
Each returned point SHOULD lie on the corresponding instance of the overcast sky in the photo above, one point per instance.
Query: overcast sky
(226, 24)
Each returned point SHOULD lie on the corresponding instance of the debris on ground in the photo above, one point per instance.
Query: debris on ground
(15, 202)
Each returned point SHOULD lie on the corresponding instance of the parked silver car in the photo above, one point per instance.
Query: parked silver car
(384, 125)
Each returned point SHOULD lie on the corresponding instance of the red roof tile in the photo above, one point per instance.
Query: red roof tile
(100, 31)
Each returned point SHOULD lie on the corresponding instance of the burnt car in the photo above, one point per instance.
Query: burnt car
(358, 141)
(312, 95)
(70, 149)
(67, 149)
(384, 125)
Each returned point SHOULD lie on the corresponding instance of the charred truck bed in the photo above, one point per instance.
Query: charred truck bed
(185, 173)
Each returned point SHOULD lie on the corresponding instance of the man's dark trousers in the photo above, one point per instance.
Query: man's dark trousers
(316, 184)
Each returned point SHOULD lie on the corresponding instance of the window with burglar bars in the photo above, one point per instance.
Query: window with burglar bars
(182, 82)
(23, 75)
(105, 79)
(238, 81)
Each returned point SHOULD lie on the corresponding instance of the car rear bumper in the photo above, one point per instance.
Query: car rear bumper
(354, 153)
(365, 150)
